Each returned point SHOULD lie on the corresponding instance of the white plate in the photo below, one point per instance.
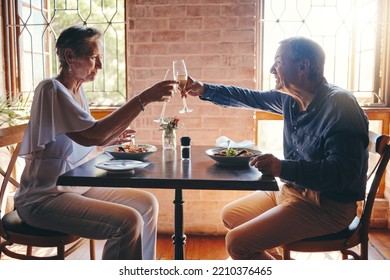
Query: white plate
(121, 165)
(135, 156)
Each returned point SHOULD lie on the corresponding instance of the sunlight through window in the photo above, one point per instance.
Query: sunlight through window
(350, 32)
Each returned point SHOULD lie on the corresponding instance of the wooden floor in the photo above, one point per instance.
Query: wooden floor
(380, 241)
(213, 248)
(196, 248)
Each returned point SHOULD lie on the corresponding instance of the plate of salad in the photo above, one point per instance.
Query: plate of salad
(232, 156)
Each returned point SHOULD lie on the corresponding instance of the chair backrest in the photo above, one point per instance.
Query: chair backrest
(9, 137)
(380, 145)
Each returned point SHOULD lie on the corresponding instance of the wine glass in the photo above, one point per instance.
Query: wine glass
(161, 119)
(180, 74)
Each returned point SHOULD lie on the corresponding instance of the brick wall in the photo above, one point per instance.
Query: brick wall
(217, 41)
(216, 38)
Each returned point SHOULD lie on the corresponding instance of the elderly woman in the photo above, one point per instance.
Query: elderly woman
(60, 134)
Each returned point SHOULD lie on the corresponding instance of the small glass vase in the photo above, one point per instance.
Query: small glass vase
(169, 139)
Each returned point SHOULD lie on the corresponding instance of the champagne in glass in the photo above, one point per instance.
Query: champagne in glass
(180, 74)
(182, 81)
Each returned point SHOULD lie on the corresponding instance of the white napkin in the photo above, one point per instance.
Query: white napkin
(222, 142)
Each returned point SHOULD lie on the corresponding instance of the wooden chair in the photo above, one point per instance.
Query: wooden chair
(12, 229)
(357, 232)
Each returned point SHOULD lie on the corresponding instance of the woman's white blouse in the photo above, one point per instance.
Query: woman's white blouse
(47, 149)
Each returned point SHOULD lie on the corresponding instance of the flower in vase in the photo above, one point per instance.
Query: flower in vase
(169, 124)
(169, 133)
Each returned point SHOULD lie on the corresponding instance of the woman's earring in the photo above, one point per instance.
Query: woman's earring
(70, 70)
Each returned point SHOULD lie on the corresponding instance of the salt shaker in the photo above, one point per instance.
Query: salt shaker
(185, 142)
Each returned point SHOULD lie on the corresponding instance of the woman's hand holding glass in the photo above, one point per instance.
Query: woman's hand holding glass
(161, 91)
(161, 119)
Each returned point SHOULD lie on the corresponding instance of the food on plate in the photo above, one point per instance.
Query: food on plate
(131, 149)
(232, 152)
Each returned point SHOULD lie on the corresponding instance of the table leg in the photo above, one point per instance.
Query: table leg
(179, 238)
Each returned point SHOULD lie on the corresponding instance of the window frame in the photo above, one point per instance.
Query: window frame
(13, 57)
(381, 84)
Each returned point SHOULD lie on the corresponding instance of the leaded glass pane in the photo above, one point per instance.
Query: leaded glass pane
(350, 31)
(39, 24)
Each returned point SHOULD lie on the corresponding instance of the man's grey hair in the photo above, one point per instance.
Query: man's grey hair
(304, 48)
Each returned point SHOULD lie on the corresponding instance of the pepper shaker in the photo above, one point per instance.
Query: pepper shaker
(185, 142)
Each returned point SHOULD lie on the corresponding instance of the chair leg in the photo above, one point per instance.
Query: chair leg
(286, 254)
(346, 253)
(92, 252)
(61, 252)
(29, 250)
(364, 250)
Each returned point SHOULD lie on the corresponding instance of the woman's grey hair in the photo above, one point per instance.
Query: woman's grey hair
(78, 39)
(304, 48)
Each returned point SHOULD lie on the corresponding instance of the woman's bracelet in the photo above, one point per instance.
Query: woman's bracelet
(140, 102)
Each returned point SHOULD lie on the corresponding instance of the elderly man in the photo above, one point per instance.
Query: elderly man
(325, 161)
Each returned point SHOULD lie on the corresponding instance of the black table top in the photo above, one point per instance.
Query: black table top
(167, 170)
